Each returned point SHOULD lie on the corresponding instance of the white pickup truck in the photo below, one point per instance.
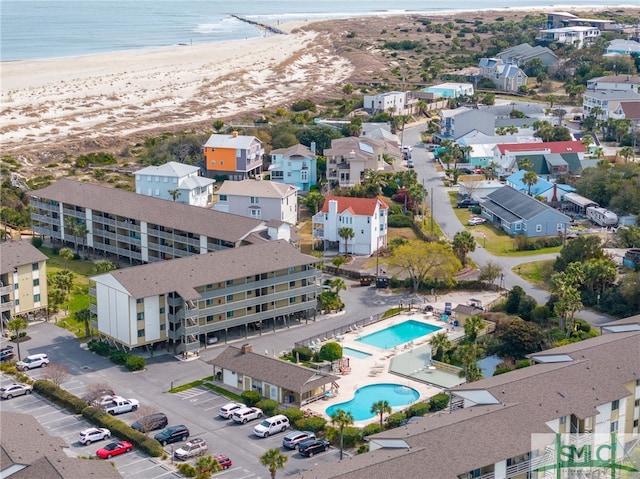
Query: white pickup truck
(120, 405)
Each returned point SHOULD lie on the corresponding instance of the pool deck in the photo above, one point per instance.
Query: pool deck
(406, 365)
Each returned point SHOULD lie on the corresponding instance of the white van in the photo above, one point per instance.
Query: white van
(271, 425)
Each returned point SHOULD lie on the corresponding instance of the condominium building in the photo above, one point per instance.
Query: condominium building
(132, 227)
(23, 280)
(584, 397)
(207, 298)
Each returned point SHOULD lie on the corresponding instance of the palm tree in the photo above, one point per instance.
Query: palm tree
(346, 233)
(381, 407)
(70, 229)
(82, 231)
(273, 460)
(525, 164)
(175, 194)
(626, 153)
(472, 326)
(463, 244)
(66, 255)
(468, 355)
(441, 344)
(15, 326)
(205, 466)
(342, 419)
(338, 284)
(530, 178)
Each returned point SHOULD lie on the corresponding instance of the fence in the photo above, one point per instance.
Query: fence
(343, 329)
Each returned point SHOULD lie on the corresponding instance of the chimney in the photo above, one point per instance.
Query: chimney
(235, 134)
(246, 348)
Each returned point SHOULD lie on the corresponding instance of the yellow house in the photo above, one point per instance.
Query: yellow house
(23, 280)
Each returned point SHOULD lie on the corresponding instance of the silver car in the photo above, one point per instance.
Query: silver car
(93, 434)
(33, 361)
(294, 438)
(16, 389)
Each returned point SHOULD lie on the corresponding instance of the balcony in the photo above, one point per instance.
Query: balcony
(7, 306)
(6, 290)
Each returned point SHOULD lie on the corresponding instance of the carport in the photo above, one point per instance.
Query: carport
(575, 203)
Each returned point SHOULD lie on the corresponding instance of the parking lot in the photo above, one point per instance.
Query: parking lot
(197, 408)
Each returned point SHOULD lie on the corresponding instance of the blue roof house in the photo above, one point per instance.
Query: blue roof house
(296, 165)
(518, 213)
(552, 192)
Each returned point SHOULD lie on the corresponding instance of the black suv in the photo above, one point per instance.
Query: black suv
(312, 446)
(172, 434)
(467, 203)
(6, 354)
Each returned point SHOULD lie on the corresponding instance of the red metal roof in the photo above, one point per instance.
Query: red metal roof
(552, 146)
(356, 206)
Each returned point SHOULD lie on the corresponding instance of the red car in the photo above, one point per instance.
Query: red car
(223, 460)
(114, 449)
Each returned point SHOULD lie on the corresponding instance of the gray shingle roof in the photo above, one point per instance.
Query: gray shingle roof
(259, 188)
(171, 168)
(239, 142)
(297, 150)
(18, 253)
(183, 275)
(519, 205)
(181, 216)
(271, 370)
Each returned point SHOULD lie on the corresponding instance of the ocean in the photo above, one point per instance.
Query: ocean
(42, 29)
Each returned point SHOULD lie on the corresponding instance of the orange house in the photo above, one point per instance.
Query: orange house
(235, 156)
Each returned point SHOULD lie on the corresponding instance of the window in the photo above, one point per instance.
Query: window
(163, 327)
(518, 226)
(34, 267)
(229, 297)
(538, 228)
(223, 198)
(563, 420)
(138, 301)
(141, 333)
(292, 284)
(637, 403)
(16, 286)
(229, 282)
(162, 310)
(614, 426)
(615, 405)
(255, 200)
(209, 302)
(210, 318)
(256, 213)
(16, 302)
(36, 298)
(292, 300)
(36, 282)
(140, 316)
(229, 314)
(560, 227)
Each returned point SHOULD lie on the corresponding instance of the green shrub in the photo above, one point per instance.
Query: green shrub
(294, 415)
(363, 448)
(351, 435)
(438, 402)
(100, 347)
(36, 242)
(501, 370)
(269, 407)
(417, 409)
(123, 430)
(399, 221)
(330, 352)
(59, 396)
(313, 424)
(370, 429)
(118, 357)
(302, 353)
(135, 363)
(396, 419)
(187, 470)
(523, 363)
(250, 398)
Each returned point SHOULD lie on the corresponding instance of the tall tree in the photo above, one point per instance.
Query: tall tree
(420, 260)
(472, 326)
(342, 419)
(273, 459)
(441, 344)
(66, 254)
(175, 194)
(206, 466)
(529, 178)
(15, 327)
(381, 408)
(346, 233)
(467, 354)
(84, 315)
(490, 271)
(463, 244)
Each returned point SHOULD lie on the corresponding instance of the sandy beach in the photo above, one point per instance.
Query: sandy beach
(55, 108)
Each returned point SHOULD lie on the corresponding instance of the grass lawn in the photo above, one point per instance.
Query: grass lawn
(536, 272)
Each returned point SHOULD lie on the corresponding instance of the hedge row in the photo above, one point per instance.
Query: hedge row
(131, 362)
(123, 430)
(59, 396)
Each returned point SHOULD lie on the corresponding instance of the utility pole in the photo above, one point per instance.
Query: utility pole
(423, 211)
(432, 211)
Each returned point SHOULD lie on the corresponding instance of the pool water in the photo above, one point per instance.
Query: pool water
(365, 397)
(398, 334)
(354, 353)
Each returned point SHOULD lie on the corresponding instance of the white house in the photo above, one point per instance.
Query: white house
(578, 35)
(607, 100)
(177, 182)
(259, 199)
(622, 47)
(396, 101)
(614, 83)
(450, 90)
(367, 217)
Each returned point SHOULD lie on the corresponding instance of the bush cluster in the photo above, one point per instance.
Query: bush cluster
(302, 353)
(530, 244)
(438, 402)
(59, 396)
(399, 221)
(269, 407)
(131, 362)
(250, 398)
(123, 430)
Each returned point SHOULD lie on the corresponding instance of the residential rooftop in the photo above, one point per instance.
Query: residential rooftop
(18, 253)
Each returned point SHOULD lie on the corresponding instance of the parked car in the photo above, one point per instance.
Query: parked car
(93, 434)
(467, 203)
(447, 309)
(410, 163)
(228, 409)
(466, 171)
(120, 405)
(247, 414)
(33, 361)
(195, 447)
(271, 425)
(172, 434)
(16, 389)
(312, 446)
(294, 438)
(114, 449)
(223, 460)
(476, 220)
(6, 354)
(151, 422)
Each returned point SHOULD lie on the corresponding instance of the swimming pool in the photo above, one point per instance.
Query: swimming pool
(365, 397)
(354, 353)
(400, 333)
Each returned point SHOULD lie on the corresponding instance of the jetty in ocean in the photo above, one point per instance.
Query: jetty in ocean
(262, 26)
